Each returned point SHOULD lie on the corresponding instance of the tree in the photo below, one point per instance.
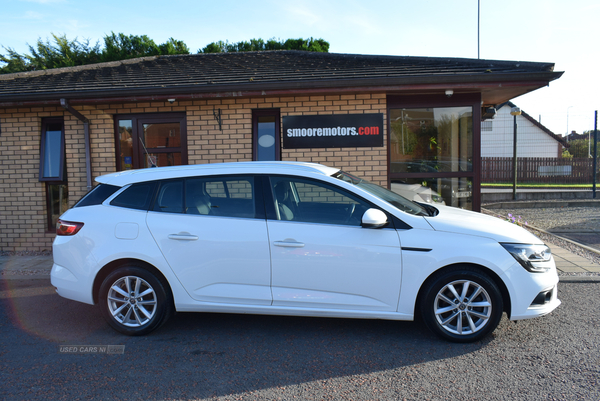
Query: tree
(312, 45)
(122, 47)
(580, 148)
(14, 62)
(62, 52)
(45, 55)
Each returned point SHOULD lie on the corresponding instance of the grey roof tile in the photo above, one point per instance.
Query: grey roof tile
(253, 71)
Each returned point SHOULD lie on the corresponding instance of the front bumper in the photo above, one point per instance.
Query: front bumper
(532, 294)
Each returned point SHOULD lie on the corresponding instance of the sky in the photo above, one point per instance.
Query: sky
(561, 32)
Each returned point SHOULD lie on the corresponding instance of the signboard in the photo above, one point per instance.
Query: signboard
(333, 131)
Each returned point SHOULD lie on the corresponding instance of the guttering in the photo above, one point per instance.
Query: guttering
(86, 128)
(271, 88)
(101, 97)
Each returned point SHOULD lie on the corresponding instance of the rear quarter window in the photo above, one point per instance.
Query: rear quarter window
(137, 196)
(97, 195)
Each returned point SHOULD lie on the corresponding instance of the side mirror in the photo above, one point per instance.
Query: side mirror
(374, 218)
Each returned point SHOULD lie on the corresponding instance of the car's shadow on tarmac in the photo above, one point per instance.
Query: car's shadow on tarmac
(200, 355)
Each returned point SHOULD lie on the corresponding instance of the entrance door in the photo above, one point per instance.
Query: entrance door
(150, 140)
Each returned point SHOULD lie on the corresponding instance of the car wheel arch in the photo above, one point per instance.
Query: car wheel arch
(461, 266)
(116, 264)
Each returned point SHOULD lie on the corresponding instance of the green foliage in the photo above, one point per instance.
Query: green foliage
(14, 62)
(62, 52)
(580, 148)
(312, 45)
(122, 47)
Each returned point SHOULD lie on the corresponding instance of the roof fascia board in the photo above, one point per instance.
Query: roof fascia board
(302, 87)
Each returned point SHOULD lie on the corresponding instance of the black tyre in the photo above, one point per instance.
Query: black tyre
(134, 301)
(461, 305)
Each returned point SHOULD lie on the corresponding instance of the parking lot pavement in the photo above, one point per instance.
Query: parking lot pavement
(23, 267)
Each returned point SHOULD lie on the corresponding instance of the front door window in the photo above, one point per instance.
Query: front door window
(151, 140)
(266, 138)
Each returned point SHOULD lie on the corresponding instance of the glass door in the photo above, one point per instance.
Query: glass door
(150, 140)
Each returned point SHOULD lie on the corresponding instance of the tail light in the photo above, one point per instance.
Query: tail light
(67, 227)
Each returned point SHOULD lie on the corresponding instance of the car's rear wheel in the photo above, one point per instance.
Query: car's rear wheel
(462, 305)
(134, 301)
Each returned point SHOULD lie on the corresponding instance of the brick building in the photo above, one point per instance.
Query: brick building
(389, 119)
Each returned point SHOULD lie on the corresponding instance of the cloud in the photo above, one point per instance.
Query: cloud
(33, 15)
(304, 15)
(45, 1)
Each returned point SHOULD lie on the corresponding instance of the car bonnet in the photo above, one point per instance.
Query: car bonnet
(451, 219)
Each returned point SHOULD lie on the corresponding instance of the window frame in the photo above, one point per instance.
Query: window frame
(138, 151)
(61, 177)
(270, 202)
(266, 113)
(441, 101)
(257, 194)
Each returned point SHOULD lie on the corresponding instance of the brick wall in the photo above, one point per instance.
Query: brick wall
(22, 196)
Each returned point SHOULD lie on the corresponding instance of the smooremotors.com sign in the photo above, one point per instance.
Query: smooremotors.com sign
(333, 131)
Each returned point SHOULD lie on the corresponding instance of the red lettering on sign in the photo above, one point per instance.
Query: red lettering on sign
(368, 131)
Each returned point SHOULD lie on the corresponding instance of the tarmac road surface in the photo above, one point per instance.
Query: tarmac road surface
(239, 357)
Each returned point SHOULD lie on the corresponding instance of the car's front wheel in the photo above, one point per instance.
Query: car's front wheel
(462, 305)
(134, 301)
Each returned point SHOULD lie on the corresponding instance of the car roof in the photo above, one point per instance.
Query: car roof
(160, 173)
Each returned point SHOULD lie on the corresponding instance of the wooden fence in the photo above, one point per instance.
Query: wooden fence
(537, 170)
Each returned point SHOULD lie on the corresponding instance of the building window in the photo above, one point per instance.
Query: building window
(52, 157)
(486, 126)
(432, 154)
(57, 202)
(265, 133)
(53, 170)
(150, 140)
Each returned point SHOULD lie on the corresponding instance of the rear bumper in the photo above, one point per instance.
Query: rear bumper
(68, 285)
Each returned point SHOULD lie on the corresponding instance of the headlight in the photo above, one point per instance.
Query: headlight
(529, 255)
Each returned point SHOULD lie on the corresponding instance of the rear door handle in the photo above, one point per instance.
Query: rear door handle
(289, 243)
(183, 237)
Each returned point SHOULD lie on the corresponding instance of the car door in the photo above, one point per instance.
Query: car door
(213, 233)
(321, 257)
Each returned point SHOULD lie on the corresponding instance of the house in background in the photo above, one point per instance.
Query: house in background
(573, 136)
(533, 139)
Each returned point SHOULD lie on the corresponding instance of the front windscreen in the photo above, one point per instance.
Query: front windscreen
(392, 198)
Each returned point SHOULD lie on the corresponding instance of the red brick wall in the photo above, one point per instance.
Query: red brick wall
(22, 197)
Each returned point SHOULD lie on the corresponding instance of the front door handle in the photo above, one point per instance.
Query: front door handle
(183, 237)
(289, 243)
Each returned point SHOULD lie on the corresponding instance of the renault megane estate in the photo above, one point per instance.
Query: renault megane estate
(290, 238)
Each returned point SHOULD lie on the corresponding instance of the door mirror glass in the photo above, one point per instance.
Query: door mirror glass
(374, 218)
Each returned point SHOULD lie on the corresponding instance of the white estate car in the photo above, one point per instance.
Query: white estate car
(288, 238)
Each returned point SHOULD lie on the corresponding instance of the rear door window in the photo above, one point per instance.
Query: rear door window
(226, 196)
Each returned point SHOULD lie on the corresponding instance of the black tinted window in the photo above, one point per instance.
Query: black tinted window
(227, 196)
(97, 195)
(170, 197)
(298, 199)
(137, 196)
